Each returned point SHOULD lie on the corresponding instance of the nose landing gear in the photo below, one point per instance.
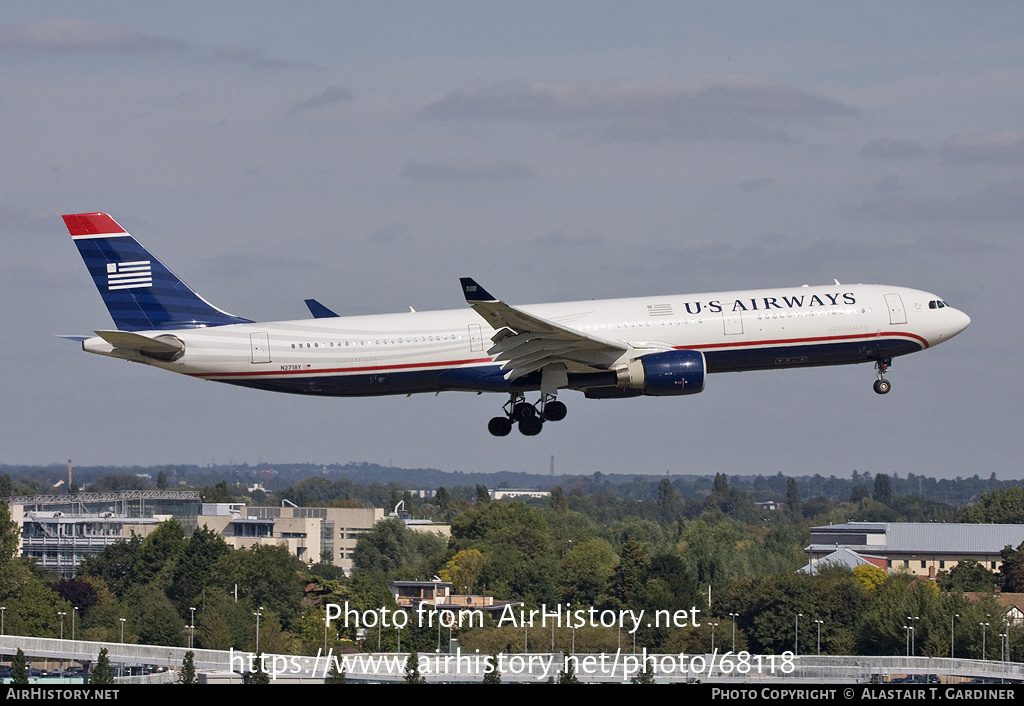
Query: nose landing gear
(882, 385)
(528, 417)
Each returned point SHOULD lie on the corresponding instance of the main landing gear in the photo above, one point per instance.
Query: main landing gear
(882, 385)
(529, 417)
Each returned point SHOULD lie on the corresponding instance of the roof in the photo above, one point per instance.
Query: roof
(928, 537)
(841, 557)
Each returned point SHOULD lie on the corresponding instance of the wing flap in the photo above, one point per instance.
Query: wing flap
(525, 343)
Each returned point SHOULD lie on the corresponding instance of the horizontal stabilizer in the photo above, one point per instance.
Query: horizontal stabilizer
(161, 347)
(319, 311)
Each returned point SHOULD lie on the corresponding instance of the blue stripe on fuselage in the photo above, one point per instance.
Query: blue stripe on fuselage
(490, 378)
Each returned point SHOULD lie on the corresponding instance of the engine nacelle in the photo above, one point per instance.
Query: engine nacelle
(661, 374)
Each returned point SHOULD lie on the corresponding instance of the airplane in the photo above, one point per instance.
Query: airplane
(650, 345)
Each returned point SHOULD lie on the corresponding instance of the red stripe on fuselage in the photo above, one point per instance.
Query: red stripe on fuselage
(331, 371)
(478, 361)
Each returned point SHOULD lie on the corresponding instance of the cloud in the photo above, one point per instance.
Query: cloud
(478, 169)
(889, 185)
(391, 233)
(891, 148)
(77, 35)
(254, 58)
(1000, 201)
(16, 218)
(1006, 147)
(729, 107)
(332, 95)
(570, 236)
(752, 185)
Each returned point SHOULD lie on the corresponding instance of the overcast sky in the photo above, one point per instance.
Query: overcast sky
(369, 154)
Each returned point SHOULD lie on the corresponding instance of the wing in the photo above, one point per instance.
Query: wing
(525, 343)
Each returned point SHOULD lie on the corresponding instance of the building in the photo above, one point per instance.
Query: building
(314, 534)
(924, 548)
(437, 596)
(518, 493)
(59, 531)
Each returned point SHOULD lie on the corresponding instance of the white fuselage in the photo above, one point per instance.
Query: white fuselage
(447, 350)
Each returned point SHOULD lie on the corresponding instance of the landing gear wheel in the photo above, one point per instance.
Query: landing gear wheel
(522, 411)
(882, 386)
(555, 411)
(530, 426)
(499, 426)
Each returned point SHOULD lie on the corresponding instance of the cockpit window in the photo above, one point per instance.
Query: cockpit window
(937, 304)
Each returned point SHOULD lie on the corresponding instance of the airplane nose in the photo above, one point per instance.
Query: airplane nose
(963, 321)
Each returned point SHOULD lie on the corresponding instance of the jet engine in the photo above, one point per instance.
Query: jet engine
(668, 373)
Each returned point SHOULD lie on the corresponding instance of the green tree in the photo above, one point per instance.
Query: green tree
(1004, 506)
(159, 551)
(9, 532)
(334, 676)
(443, 499)
(567, 675)
(219, 493)
(412, 669)
(972, 576)
(192, 571)
(491, 673)
(483, 496)
(19, 668)
(586, 570)
(188, 669)
(463, 570)
(392, 548)
(102, 673)
(114, 565)
(258, 676)
(1012, 569)
(793, 500)
(646, 675)
(883, 488)
(558, 501)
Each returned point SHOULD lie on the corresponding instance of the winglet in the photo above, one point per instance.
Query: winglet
(319, 311)
(474, 292)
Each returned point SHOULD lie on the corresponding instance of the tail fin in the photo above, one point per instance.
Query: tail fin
(140, 293)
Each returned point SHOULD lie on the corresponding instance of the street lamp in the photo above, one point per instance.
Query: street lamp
(192, 629)
(1007, 634)
(819, 622)
(796, 636)
(61, 614)
(908, 629)
(733, 616)
(983, 626)
(258, 613)
(3, 614)
(122, 629)
(74, 612)
(952, 633)
(913, 633)
(713, 626)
